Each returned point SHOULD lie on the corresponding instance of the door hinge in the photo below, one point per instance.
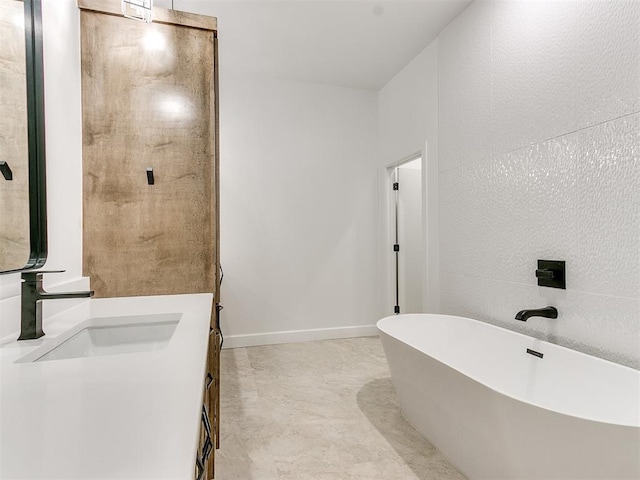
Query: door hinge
(396, 248)
(396, 309)
(396, 186)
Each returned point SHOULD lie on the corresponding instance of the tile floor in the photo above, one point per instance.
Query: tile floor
(318, 411)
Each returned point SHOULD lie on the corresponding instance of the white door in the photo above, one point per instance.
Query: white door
(408, 251)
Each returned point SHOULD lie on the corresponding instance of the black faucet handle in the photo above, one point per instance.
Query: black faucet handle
(34, 275)
(551, 273)
(544, 273)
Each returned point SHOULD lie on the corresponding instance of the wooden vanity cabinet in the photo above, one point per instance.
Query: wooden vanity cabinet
(150, 161)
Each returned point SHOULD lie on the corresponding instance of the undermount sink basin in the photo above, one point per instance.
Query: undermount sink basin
(109, 336)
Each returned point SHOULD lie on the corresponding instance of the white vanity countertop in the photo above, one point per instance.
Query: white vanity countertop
(125, 416)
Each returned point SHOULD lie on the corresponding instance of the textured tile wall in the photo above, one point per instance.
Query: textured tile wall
(540, 158)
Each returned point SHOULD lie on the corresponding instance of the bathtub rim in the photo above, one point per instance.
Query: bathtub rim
(380, 324)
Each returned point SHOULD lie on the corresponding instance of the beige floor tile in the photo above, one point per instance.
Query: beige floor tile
(318, 411)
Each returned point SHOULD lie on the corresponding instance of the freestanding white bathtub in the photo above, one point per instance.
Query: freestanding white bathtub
(498, 412)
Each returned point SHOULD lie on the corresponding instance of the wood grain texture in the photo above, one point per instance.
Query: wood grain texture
(147, 102)
(216, 163)
(214, 357)
(158, 15)
(211, 392)
(14, 146)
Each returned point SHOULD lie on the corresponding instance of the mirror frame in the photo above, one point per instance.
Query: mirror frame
(37, 154)
(36, 136)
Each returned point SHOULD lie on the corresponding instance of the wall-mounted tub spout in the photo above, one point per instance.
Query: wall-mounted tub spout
(547, 312)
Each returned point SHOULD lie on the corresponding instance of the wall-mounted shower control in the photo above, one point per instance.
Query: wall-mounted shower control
(551, 273)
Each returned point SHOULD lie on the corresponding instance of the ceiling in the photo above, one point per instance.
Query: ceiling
(351, 43)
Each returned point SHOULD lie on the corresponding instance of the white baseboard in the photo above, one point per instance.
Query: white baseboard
(296, 336)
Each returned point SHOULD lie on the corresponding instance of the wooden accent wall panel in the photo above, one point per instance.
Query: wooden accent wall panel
(148, 101)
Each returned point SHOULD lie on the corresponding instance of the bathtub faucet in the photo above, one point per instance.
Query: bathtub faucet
(547, 312)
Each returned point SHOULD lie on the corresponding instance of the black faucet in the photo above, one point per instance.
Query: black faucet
(547, 312)
(32, 296)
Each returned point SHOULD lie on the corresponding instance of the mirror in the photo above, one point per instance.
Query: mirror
(23, 239)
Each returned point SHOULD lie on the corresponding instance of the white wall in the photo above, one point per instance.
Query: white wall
(298, 210)
(540, 159)
(408, 123)
(61, 32)
(63, 109)
(408, 108)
